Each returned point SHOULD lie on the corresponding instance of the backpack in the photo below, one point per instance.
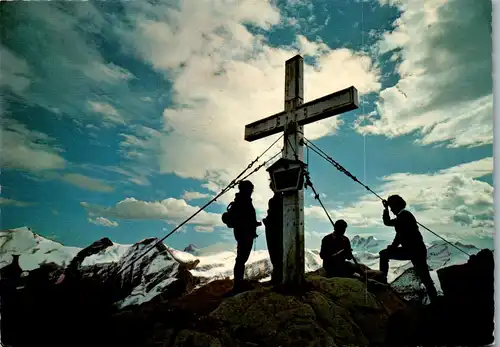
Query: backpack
(228, 216)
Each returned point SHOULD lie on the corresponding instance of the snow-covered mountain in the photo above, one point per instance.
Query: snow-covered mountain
(258, 266)
(370, 244)
(192, 249)
(36, 250)
(441, 254)
(162, 267)
(148, 277)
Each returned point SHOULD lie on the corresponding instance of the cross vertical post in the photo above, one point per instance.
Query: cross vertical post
(292, 120)
(293, 202)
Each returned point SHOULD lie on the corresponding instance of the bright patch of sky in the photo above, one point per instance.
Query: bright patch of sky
(122, 119)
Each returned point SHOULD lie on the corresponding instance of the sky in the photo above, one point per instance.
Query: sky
(122, 119)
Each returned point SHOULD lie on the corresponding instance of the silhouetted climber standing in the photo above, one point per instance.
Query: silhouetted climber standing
(274, 234)
(411, 241)
(244, 224)
(335, 250)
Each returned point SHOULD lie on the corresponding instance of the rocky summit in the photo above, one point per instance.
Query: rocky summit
(94, 299)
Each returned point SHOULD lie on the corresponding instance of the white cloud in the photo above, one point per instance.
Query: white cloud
(225, 77)
(107, 72)
(315, 234)
(474, 169)
(140, 150)
(182, 229)
(88, 183)
(194, 195)
(140, 181)
(452, 202)
(172, 210)
(220, 246)
(92, 126)
(26, 149)
(306, 17)
(313, 238)
(321, 195)
(73, 70)
(16, 203)
(103, 222)
(315, 212)
(139, 140)
(135, 174)
(203, 229)
(109, 113)
(445, 89)
(14, 71)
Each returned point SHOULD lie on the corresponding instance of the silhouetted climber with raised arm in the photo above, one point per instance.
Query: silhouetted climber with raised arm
(409, 237)
(336, 250)
(244, 224)
(274, 234)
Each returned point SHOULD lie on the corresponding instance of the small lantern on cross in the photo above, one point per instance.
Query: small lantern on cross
(287, 175)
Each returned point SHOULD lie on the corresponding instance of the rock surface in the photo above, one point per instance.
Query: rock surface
(469, 304)
(329, 312)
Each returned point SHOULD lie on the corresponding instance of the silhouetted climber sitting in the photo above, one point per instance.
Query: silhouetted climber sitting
(336, 250)
(274, 234)
(411, 241)
(244, 223)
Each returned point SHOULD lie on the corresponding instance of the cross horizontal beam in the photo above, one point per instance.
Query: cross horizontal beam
(327, 106)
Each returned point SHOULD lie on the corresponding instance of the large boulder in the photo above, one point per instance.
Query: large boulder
(468, 304)
(476, 276)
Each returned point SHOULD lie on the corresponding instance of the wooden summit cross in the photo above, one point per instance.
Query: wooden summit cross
(292, 122)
